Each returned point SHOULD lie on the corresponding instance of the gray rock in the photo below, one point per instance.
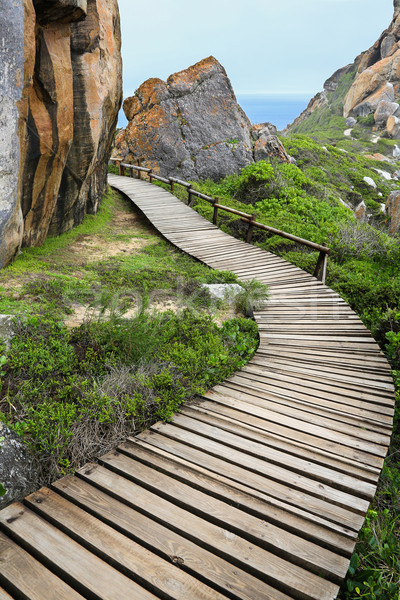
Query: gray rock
(396, 151)
(17, 470)
(6, 329)
(384, 94)
(270, 146)
(11, 74)
(383, 112)
(223, 291)
(190, 126)
(387, 45)
(263, 129)
(369, 181)
(350, 122)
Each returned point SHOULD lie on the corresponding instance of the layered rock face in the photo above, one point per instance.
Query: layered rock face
(11, 80)
(66, 93)
(190, 126)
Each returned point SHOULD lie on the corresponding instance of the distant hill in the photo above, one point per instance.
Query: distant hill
(361, 100)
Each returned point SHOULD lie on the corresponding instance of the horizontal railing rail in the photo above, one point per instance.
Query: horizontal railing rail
(321, 266)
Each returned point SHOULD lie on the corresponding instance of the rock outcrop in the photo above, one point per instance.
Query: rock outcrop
(369, 85)
(190, 126)
(63, 82)
(393, 211)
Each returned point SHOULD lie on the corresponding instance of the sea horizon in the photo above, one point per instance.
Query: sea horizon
(277, 108)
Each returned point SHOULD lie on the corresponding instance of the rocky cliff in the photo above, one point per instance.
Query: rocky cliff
(62, 85)
(368, 86)
(191, 126)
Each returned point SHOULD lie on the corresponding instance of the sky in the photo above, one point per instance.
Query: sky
(266, 46)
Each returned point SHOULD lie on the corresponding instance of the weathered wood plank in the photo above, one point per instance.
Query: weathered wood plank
(80, 567)
(182, 552)
(26, 576)
(256, 560)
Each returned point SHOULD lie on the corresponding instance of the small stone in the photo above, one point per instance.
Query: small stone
(369, 181)
(361, 211)
(384, 174)
(396, 151)
(350, 122)
(223, 291)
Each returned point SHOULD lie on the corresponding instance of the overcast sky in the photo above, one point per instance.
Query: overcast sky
(266, 46)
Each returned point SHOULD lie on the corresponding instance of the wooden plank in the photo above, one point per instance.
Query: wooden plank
(267, 378)
(183, 553)
(72, 562)
(278, 414)
(254, 446)
(282, 543)
(155, 573)
(319, 384)
(275, 484)
(238, 494)
(254, 427)
(237, 405)
(277, 386)
(257, 561)
(312, 525)
(26, 577)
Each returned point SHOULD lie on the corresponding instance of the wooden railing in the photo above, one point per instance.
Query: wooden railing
(321, 266)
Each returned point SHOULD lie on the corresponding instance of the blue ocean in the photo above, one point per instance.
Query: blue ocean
(260, 108)
(276, 109)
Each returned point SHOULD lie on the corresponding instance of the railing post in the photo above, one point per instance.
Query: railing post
(131, 171)
(139, 173)
(190, 196)
(118, 164)
(215, 215)
(171, 183)
(250, 230)
(321, 266)
(151, 176)
(122, 169)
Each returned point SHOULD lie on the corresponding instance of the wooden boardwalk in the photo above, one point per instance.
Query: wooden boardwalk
(256, 492)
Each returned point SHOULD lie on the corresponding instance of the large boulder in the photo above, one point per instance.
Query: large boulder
(189, 126)
(192, 127)
(62, 86)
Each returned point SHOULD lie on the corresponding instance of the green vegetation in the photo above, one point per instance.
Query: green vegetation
(363, 268)
(113, 330)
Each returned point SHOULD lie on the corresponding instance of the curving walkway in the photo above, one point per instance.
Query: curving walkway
(255, 492)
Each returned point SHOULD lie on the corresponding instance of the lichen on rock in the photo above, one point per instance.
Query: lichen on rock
(190, 126)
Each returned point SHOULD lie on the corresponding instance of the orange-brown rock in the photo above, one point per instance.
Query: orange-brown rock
(189, 126)
(373, 78)
(393, 211)
(378, 72)
(60, 101)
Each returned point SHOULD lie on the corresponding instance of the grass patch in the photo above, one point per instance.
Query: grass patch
(76, 392)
